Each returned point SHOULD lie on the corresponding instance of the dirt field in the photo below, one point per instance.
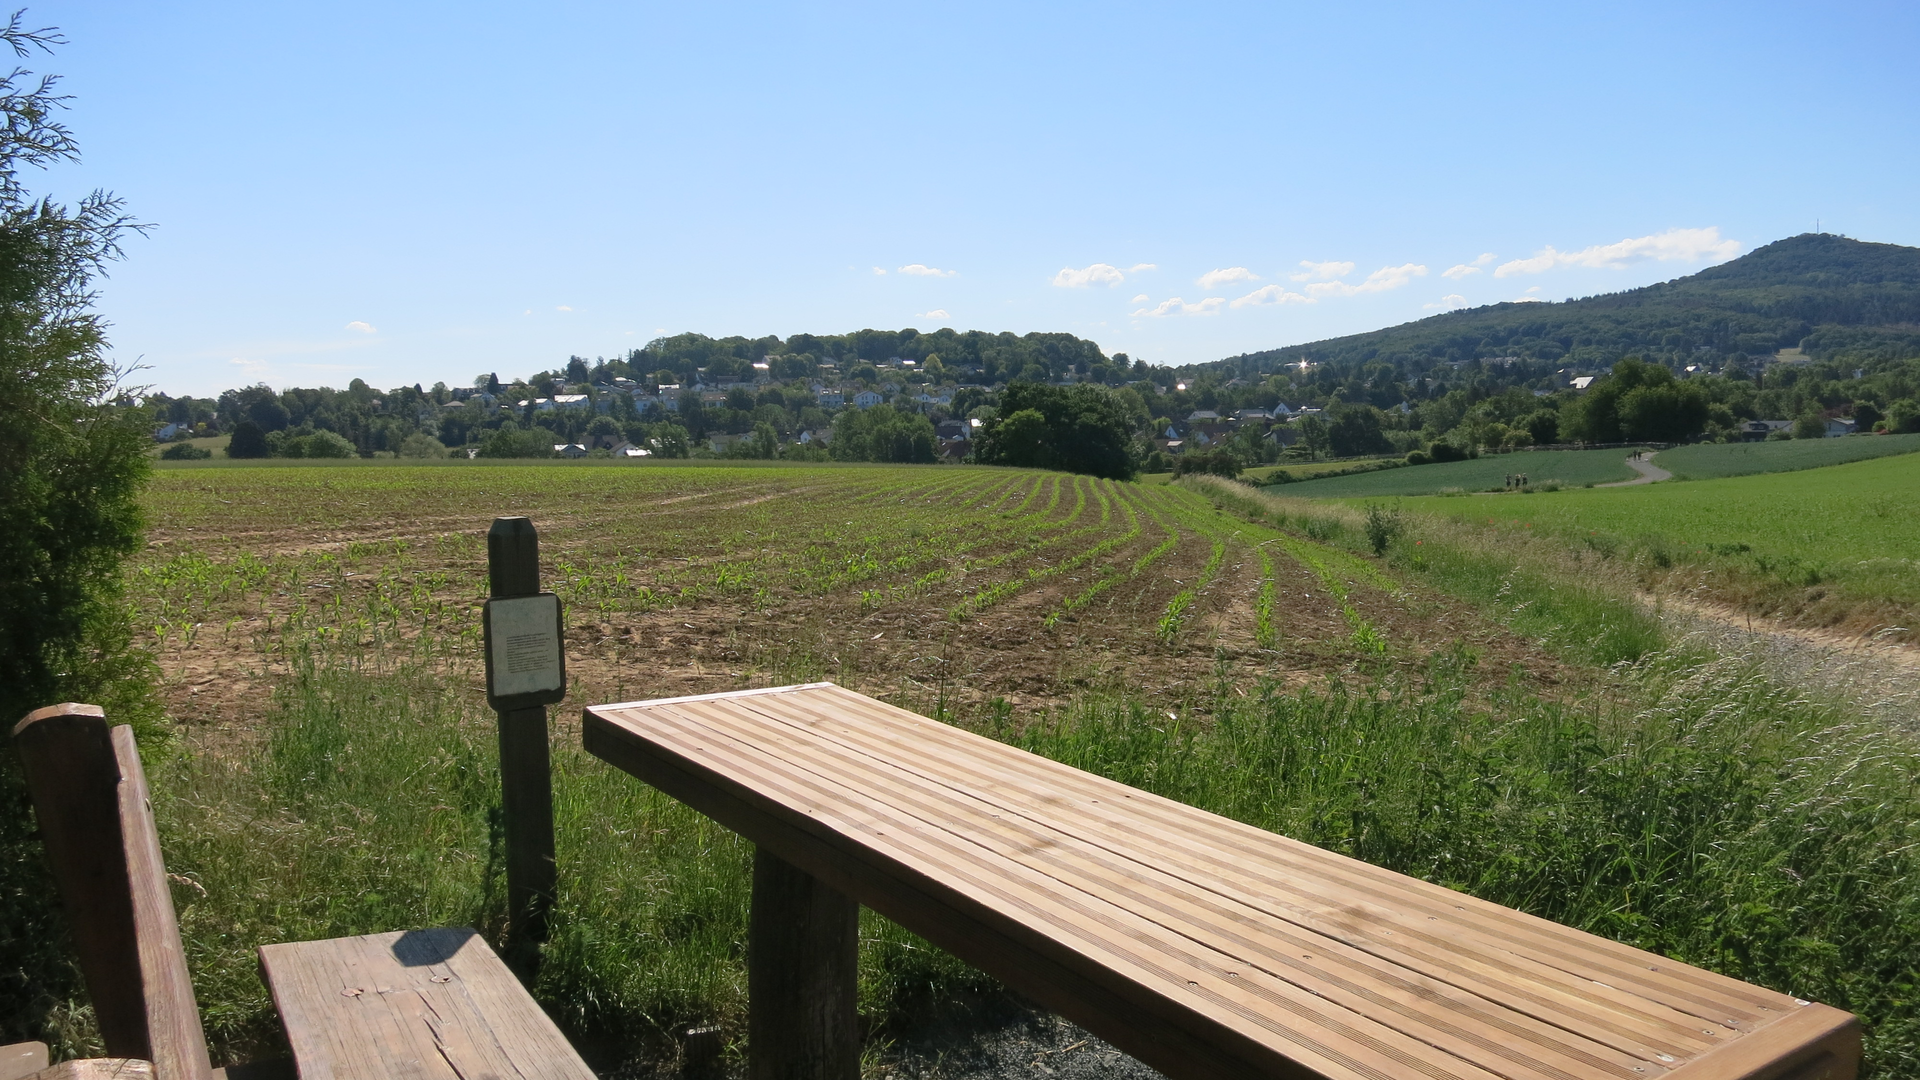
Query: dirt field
(930, 586)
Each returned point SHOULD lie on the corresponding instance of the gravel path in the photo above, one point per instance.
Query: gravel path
(1649, 474)
(1033, 1044)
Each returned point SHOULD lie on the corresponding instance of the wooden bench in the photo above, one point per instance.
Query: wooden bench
(1202, 946)
(424, 1004)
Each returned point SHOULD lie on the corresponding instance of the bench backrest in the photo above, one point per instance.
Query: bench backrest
(96, 821)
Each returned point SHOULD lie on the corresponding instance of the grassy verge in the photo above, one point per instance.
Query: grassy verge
(369, 802)
(1791, 863)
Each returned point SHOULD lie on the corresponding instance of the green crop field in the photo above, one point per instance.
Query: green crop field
(1526, 738)
(1568, 468)
(1838, 545)
(1709, 461)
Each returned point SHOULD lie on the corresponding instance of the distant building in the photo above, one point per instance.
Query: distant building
(1582, 382)
(570, 450)
(1837, 427)
(867, 399)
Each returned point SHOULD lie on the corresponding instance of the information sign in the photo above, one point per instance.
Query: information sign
(525, 664)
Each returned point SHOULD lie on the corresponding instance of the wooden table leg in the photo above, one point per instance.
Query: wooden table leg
(803, 948)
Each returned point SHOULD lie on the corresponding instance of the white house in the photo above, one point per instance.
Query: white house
(831, 399)
(1837, 427)
(867, 399)
(570, 450)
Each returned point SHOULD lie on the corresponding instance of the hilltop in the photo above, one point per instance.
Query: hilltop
(1833, 297)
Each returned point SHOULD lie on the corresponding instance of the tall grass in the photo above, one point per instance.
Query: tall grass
(369, 801)
(1722, 822)
(1718, 820)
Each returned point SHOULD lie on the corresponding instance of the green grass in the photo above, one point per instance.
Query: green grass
(1569, 468)
(370, 801)
(213, 444)
(1839, 545)
(1792, 863)
(1709, 461)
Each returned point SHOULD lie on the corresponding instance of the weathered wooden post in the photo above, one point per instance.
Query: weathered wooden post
(526, 672)
(90, 800)
(803, 961)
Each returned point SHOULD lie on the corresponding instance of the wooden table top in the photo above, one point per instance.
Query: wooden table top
(1200, 945)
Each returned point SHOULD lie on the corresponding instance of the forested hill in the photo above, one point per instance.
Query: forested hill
(1833, 297)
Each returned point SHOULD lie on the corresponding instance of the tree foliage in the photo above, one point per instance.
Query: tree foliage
(1081, 429)
(882, 433)
(71, 463)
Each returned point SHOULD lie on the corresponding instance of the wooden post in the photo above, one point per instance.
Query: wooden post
(803, 950)
(96, 822)
(526, 784)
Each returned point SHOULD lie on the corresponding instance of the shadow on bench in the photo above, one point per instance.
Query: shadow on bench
(423, 1004)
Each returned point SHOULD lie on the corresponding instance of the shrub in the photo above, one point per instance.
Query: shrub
(1384, 526)
(181, 451)
(421, 445)
(514, 442)
(1442, 451)
(1418, 457)
(1214, 462)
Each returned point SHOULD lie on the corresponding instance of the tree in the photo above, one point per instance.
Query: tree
(515, 442)
(882, 433)
(1081, 429)
(248, 441)
(71, 462)
(1810, 426)
(1356, 430)
(1314, 435)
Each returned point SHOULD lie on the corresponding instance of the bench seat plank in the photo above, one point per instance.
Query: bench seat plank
(420, 1005)
(1204, 946)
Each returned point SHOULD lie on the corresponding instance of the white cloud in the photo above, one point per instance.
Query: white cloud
(1485, 258)
(880, 271)
(1534, 289)
(920, 270)
(1455, 273)
(247, 367)
(563, 307)
(1216, 278)
(1139, 267)
(359, 327)
(936, 313)
(1452, 302)
(1387, 277)
(1323, 271)
(1687, 245)
(1177, 306)
(1270, 294)
(1097, 274)
(1141, 299)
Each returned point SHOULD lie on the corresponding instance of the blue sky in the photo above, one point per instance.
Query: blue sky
(413, 192)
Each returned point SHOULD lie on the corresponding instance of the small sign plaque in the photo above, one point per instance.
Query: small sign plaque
(525, 664)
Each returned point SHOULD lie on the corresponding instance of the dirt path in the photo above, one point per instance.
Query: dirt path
(1649, 474)
(1877, 674)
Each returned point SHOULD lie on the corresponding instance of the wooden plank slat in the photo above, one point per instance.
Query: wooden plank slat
(1072, 795)
(1131, 842)
(421, 1004)
(1203, 946)
(96, 821)
(22, 1059)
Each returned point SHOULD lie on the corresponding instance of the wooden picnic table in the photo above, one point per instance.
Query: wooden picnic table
(1200, 945)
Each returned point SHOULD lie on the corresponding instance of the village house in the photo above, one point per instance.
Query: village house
(867, 399)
